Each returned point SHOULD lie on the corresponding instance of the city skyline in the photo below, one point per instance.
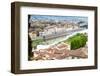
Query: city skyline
(59, 18)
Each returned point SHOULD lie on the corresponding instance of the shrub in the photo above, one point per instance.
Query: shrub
(36, 42)
(77, 41)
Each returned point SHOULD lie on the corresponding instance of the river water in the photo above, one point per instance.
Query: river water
(54, 41)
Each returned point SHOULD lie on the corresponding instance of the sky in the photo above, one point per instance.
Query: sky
(59, 18)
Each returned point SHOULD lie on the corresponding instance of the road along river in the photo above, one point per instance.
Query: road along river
(54, 41)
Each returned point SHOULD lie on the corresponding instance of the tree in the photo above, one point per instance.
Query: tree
(77, 41)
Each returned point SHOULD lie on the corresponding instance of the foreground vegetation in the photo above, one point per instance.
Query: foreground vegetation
(37, 42)
(77, 41)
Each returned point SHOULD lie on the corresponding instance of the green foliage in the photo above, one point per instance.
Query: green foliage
(36, 42)
(77, 41)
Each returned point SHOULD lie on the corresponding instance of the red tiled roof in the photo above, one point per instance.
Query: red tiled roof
(60, 53)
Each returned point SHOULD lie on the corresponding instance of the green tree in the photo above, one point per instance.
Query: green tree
(77, 41)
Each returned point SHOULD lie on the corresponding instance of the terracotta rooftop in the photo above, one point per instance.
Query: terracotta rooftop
(59, 52)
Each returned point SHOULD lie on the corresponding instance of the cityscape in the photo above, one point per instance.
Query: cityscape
(57, 37)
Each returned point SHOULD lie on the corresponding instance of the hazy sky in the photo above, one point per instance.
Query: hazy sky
(59, 18)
